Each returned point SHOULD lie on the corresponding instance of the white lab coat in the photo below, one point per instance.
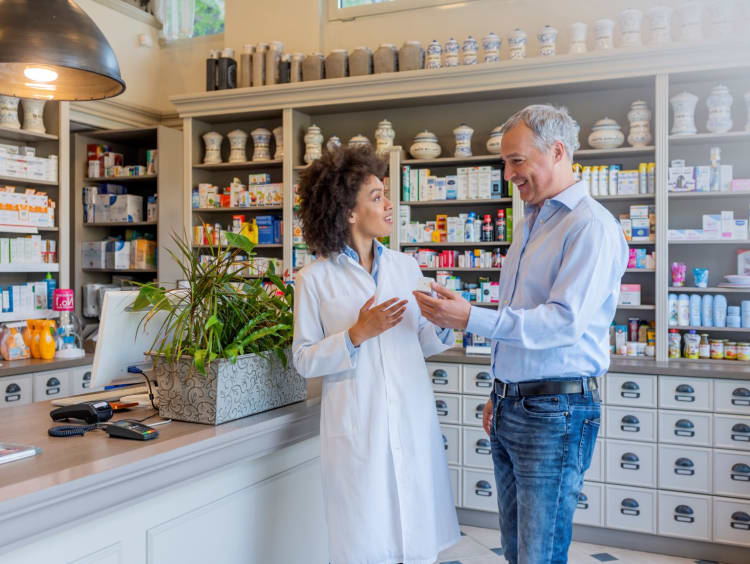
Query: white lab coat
(385, 475)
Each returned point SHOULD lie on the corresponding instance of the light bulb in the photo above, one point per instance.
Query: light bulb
(40, 74)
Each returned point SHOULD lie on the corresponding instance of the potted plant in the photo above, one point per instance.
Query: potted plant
(223, 350)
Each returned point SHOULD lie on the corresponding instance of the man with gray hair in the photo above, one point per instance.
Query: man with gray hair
(559, 288)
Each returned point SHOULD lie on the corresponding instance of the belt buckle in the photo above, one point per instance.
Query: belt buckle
(505, 390)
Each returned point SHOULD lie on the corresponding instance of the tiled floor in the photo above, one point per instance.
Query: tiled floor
(482, 546)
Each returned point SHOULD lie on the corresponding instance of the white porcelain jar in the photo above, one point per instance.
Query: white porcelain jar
(547, 41)
(434, 57)
(639, 112)
(491, 47)
(639, 117)
(469, 51)
(606, 134)
(384, 136)
(660, 25)
(451, 50)
(9, 112)
(495, 141)
(463, 135)
(631, 23)
(313, 144)
(33, 115)
(212, 140)
(278, 135)
(359, 140)
(425, 146)
(691, 21)
(261, 144)
(237, 143)
(719, 104)
(578, 31)
(603, 34)
(683, 108)
(747, 103)
(517, 44)
(333, 143)
(722, 17)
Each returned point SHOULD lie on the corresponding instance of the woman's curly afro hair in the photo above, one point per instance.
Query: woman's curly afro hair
(328, 191)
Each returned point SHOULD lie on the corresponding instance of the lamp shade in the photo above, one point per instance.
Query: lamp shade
(52, 50)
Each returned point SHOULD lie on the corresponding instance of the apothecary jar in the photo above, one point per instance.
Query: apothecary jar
(237, 143)
(212, 140)
(33, 115)
(313, 144)
(384, 136)
(261, 144)
(683, 108)
(425, 146)
(9, 112)
(719, 104)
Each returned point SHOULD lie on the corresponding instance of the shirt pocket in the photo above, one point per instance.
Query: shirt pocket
(340, 407)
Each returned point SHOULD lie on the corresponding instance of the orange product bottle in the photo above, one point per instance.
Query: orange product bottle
(28, 332)
(35, 336)
(47, 341)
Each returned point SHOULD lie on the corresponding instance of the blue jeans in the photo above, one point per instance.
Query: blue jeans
(541, 447)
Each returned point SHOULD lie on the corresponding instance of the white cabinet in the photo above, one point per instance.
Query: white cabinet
(631, 463)
(632, 509)
(685, 515)
(448, 408)
(685, 427)
(51, 384)
(686, 469)
(455, 477)
(590, 506)
(595, 473)
(731, 521)
(692, 394)
(476, 450)
(452, 443)
(80, 380)
(473, 407)
(445, 377)
(631, 423)
(731, 473)
(477, 380)
(16, 390)
(479, 490)
(732, 396)
(732, 431)
(633, 390)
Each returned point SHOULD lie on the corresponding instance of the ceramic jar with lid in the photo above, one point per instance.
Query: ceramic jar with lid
(747, 103)
(491, 47)
(337, 64)
(237, 143)
(603, 34)
(683, 108)
(33, 115)
(296, 67)
(360, 62)
(691, 21)
(384, 136)
(359, 140)
(547, 41)
(719, 104)
(434, 58)
(631, 22)
(9, 112)
(425, 146)
(333, 143)
(606, 134)
(385, 58)
(469, 51)
(659, 25)
(314, 67)
(278, 136)
(261, 144)
(212, 140)
(495, 141)
(451, 50)
(313, 144)
(639, 117)
(411, 56)
(517, 44)
(578, 32)
(463, 135)
(721, 18)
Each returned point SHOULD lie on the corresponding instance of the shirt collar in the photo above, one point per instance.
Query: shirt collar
(352, 254)
(571, 195)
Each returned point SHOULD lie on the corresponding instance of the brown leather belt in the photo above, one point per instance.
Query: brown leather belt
(548, 388)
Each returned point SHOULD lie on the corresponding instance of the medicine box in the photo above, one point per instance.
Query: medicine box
(681, 179)
(93, 254)
(630, 294)
(711, 226)
(265, 229)
(118, 255)
(727, 224)
(703, 178)
(639, 212)
(740, 229)
(725, 173)
(740, 185)
(142, 253)
(743, 262)
(640, 229)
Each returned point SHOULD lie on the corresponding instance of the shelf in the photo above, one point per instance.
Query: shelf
(485, 304)
(737, 363)
(616, 152)
(688, 195)
(699, 138)
(36, 314)
(121, 178)
(240, 166)
(717, 290)
(235, 210)
(633, 243)
(121, 270)
(633, 357)
(477, 244)
(27, 229)
(641, 270)
(637, 307)
(456, 269)
(30, 181)
(224, 247)
(20, 267)
(710, 329)
(23, 135)
(624, 197)
(447, 161)
(458, 202)
(710, 242)
(121, 224)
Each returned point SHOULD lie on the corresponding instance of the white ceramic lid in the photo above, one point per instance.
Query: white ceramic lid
(338, 51)
(426, 136)
(606, 123)
(388, 45)
(260, 131)
(496, 131)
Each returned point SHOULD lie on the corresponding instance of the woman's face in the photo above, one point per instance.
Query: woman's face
(372, 215)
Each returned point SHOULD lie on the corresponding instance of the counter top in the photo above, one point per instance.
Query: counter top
(28, 365)
(76, 476)
(693, 368)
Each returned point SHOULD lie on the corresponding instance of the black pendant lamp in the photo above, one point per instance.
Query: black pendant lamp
(50, 49)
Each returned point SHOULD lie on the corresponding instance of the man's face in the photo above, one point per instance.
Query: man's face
(528, 167)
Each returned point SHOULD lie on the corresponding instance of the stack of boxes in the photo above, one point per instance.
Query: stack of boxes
(27, 209)
(469, 183)
(118, 254)
(260, 191)
(639, 226)
(110, 203)
(28, 250)
(104, 163)
(611, 180)
(704, 178)
(718, 226)
(22, 162)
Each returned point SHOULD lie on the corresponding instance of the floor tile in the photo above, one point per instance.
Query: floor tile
(486, 537)
(464, 548)
(604, 557)
(489, 559)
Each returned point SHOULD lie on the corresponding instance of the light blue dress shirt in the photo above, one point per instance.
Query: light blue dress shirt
(559, 287)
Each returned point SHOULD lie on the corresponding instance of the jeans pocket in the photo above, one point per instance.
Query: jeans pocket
(588, 442)
(544, 406)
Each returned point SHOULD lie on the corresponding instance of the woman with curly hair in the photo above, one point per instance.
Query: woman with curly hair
(385, 476)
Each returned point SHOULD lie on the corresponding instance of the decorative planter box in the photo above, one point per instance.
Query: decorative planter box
(227, 391)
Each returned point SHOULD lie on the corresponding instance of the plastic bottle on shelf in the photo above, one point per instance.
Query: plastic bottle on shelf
(674, 343)
(707, 311)
(469, 228)
(500, 226)
(692, 343)
(672, 309)
(477, 236)
(695, 310)
(6, 300)
(683, 310)
(51, 286)
(720, 311)
(488, 230)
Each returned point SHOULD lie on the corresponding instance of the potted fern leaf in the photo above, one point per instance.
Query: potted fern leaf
(223, 350)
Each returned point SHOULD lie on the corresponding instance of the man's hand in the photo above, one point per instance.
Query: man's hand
(375, 320)
(487, 416)
(448, 310)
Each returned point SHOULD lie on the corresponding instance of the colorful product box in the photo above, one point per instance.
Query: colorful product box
(630, 294)
(740, 185)
(118, 255)
(142, 253)
(681, 179)
(712, 226)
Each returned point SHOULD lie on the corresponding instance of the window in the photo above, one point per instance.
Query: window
(350, 9)
(209, 17)
(189, 18)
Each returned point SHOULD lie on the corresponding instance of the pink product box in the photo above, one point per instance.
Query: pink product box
(630, 294)
(740, 185)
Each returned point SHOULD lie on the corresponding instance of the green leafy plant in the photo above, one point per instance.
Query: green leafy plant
(221, 314)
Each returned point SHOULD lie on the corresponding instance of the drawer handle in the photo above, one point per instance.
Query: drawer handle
(740, 472)
(14, 397)
(741, 432)
(479, 411)
(630, 461)
(52, 391)
(483, 488)
(741, 396)
(12, 389)
(445, 443)
(684, 428)
(684, 392)
(440, 377)
(629, 506)
(630, 424)
(630, 390)
(740, 520)
(483, 380)
(583, 501)
(684, 514)
(483, 447)
(442, 408)
(684, 467)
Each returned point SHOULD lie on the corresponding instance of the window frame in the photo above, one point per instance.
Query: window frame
(335, 13)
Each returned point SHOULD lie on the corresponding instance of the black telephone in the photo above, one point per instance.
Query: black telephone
(90, 411)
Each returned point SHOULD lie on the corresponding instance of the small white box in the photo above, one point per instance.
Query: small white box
(681, 179)
(126, 208)
(727, 224)
(94, 254)
(630, 294)
(638, 212)
(739, 229)
(703, 178)
(725, 174)
(118, 255)
(676, 235)
(640, 229)
(712, 226)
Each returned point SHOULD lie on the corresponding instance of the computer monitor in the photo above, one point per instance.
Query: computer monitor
(122, 340)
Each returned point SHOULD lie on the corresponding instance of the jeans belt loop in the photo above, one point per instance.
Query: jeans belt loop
(585, 384)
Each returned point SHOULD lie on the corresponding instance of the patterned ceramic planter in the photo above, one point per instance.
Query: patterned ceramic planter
(434, 55)
(227, 391)
(660, 25)
(631, 21)
(719, 104)
(384, 136)
(261, 144)
(547, 39)
(491, 47)
(603, 30)
(313, 144)
(683, 108)
(463, 140)
(469, 51)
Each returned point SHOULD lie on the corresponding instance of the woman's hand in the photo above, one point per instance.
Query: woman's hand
(487, 416)
(375, 320)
